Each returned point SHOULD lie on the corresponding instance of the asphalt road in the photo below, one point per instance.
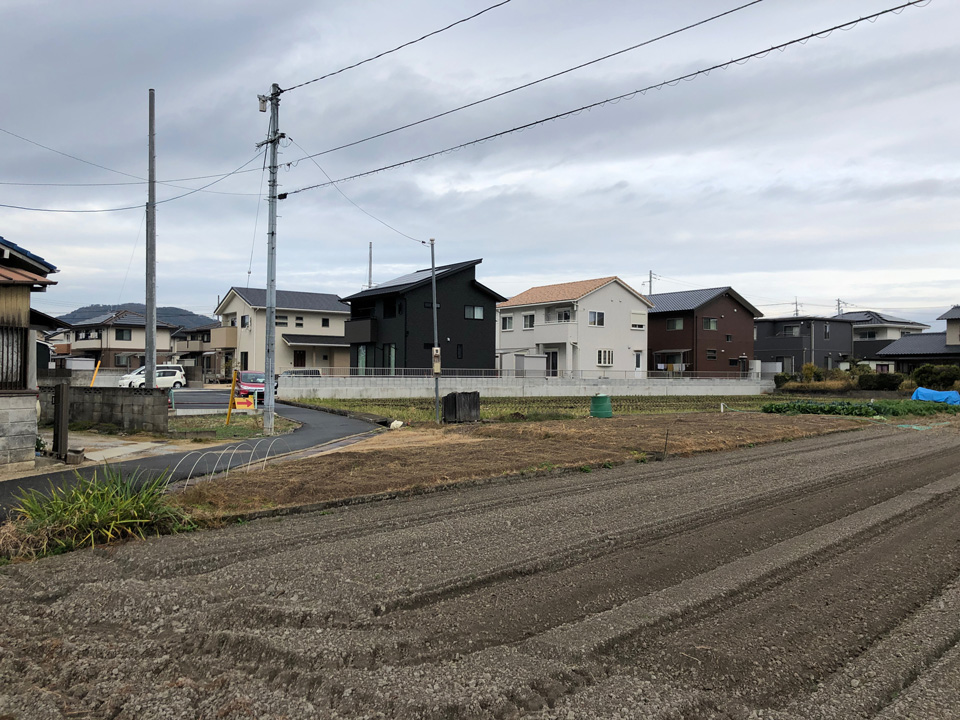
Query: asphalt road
(317, 428)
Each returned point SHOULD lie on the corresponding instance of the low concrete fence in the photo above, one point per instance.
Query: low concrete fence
(106, 377)
(359, 387)
(131, 409)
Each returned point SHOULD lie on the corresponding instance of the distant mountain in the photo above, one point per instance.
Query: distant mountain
(172, 315)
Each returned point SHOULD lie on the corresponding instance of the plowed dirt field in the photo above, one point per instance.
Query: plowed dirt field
(811, 579)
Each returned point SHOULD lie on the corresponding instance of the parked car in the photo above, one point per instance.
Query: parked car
(137, 378)
(250, 382)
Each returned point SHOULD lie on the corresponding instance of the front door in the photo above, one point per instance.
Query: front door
(639, 370)
(553, 363)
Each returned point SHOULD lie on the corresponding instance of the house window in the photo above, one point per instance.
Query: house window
(120, 361)
(362, 357)
(299, 358)
(826, 331)
(390, 350)
(459, 351)
(244, 359)
(791, 331)
(733, 362)
(123, 334)
(244, 321)
(637, 320)
(709, 323)
(281, 321)
(729, 338)
(675, 323)
(563, 316)
(506, 322)
(595, 319)
(528, 322)
(298, 321)
(711, 354)
(206, 337)
(325, 322)
(883, 368)
(473, 312)
(868, 335)
(604, 358)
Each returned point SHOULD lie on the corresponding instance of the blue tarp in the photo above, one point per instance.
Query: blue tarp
(950, 397)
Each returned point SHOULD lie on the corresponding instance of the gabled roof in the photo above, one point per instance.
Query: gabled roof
(799, 318)
(566, 292)
(12, 255)
(288, 300)
(121, 318)
(870, 317)
(687, 300)
(15, 276)
(951, 314)
(406, 283)
(921, 344)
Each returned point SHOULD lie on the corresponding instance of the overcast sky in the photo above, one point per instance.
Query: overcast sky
(825, 171)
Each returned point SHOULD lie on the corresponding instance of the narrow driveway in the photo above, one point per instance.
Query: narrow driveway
(317, 428)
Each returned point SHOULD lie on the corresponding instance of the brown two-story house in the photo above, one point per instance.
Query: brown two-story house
(708, 332)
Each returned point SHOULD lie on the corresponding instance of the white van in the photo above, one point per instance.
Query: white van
(168, 376)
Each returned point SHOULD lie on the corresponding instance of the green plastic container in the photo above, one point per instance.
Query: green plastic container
(601, 407)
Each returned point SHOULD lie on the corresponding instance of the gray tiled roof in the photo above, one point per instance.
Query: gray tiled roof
(934, 343)
(686, 300)
(951, 314)
(122, 318)
(293, 300)
(870, 317)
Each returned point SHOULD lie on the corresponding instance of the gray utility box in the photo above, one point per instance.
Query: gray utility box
(461, 407)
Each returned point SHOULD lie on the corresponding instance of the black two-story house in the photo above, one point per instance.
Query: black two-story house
(391, 325)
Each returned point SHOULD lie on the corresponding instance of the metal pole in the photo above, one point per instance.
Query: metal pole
(273, 140)
(436, 335)
(150, 346)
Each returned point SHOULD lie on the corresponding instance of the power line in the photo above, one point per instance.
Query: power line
(532, 83)
(658, 86)
(370, 215)
(399, 47)
(135, 207)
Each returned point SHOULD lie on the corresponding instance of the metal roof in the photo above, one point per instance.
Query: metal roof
(687, 300)
(15, 276)
(407, 282)
(122, 318)
(292, 300)
(45, 267)
(315, 340)
(951, 314)
(934, 343)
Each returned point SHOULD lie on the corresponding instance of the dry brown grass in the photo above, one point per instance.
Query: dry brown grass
(411, 458)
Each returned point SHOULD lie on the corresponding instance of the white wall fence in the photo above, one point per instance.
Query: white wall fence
(386, 386)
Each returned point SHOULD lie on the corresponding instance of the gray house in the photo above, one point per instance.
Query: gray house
(796, 341)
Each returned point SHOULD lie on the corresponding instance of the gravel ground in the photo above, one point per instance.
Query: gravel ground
(810, 579)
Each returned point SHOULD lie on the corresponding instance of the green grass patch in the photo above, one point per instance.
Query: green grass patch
(875, 408)
(529, 409)
(240, 427)
(106, 507)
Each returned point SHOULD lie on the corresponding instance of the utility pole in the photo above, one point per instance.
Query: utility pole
(796, 307)
(839, 311)
(150, 346)
(436, 335)
(650, 284)
(370, 269)
(273, 140)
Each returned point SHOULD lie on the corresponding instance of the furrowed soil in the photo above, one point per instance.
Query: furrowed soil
(816, 578)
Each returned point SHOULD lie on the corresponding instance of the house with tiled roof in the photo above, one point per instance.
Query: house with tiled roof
(391, 324)
(118, 339)
(873, 331)
(592, 328)
(309, 332)
(936, 348)
(703, 331)
(21, 274)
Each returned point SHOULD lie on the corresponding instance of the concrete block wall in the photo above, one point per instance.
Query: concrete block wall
(106, 377)
(18, 430)
(131, 409)
(359, 387)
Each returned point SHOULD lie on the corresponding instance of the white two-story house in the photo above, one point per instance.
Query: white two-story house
(592, 328)
(309, 330)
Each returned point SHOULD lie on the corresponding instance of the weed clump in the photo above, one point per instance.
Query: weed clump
(89, 512)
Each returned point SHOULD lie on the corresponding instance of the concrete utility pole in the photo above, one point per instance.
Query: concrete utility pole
(150, 348)
(273, 140)
(650, 284)
(370, 269)
(436, 335)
